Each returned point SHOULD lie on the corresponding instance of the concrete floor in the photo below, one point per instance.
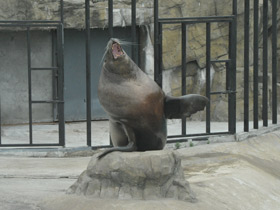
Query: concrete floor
(29, 177)
(230, 175)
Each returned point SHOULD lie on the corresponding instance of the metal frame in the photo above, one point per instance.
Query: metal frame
(256, 64)
(230, 63)
(59, 69)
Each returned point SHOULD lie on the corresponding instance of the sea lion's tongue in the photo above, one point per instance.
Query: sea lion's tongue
(117, 50)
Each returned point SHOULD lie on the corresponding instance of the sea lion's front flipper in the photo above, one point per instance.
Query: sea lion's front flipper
(130, 147)
(183, 106)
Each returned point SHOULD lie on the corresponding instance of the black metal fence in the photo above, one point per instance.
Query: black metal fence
(57, 70)
(230, 64)
(256, 64)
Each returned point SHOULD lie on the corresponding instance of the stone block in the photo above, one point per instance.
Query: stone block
(137, 175)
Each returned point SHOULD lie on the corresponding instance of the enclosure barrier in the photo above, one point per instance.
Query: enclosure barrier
(230, 64)
(158, 67)
(59, 70)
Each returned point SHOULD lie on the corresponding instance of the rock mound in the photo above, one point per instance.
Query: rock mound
(136, 175)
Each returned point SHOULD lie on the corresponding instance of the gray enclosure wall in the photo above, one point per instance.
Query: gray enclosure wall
(14, 76)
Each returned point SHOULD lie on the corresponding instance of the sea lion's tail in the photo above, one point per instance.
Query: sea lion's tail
(129, 148)
(183, 106)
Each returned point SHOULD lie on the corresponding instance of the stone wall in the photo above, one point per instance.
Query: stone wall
(196, 56)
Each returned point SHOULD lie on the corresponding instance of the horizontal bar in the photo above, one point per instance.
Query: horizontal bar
(29, 145)
(186, 140)
(28, 21)
(100, 147)
(29, 25)
(222, 92)
(198, 134)
(197, 18)
(45, 102)
(221, 61)
(42, 69)
(195, 21)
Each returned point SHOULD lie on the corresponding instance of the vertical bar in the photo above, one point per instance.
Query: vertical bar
(88, 74)
(265, 64)
(61, 11)
(232, 70)
(60, 91)
(156, 44)
(54, 75)
(110, 18)
(208, 79)
(246, 64)
(160, 54)
(133, 30)
(29, 84)
(0, 122)
(256, 64)
(274, 61)
(184, 67)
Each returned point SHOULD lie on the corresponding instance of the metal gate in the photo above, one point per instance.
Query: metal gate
(57, 69)
(230, 63)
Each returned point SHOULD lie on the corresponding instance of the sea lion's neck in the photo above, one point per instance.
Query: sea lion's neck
(123, 67)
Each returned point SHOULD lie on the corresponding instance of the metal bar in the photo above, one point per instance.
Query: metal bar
(29, 85)
(29, 25)
(198, 134)
(60, 93)
(101, 146)
(133, 30)
(265, 63)
(29, 145)
(156, 43)
(246, 63)
(46, 102)
(197, 18)
(184, 69)
(196, 21)
(54, 75)
(187, 139)
(220, 92)
(110, 18)
(88, 74)
(160, 63)
(208, 79)
(256, 63)
(44, 68)
(0, 122)
(28, 21)
(274, 62)
(232, 71)
(220, 61)
(62, 11)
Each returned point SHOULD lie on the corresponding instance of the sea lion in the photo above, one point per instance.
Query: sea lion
(137, 107)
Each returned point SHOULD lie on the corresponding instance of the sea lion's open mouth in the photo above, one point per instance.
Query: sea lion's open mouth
(117, 50)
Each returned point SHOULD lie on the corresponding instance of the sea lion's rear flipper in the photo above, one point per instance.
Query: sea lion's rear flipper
(183, 106)
(130, 147)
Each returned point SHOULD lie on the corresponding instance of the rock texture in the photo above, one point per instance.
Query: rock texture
(138, 175)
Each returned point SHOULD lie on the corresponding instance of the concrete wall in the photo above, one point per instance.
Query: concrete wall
(14, 76)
